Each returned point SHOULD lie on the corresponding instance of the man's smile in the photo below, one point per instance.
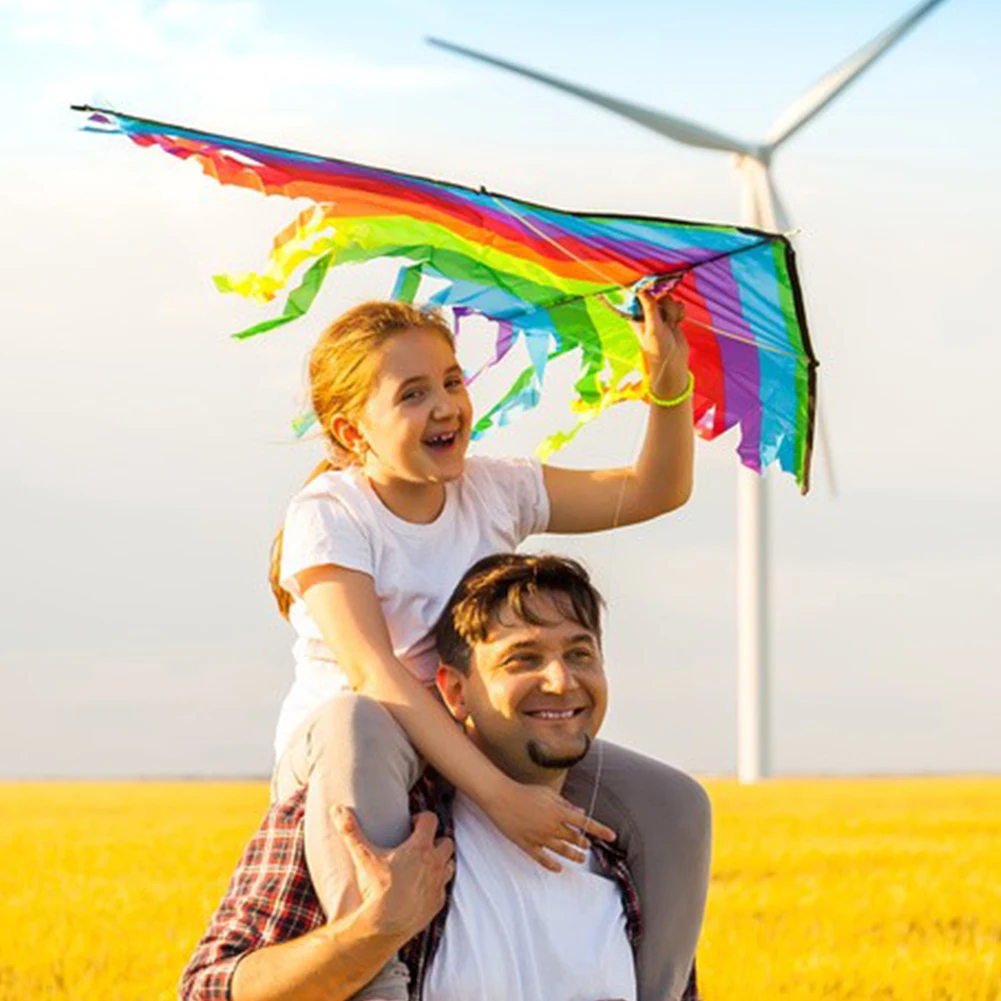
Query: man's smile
(553, 713)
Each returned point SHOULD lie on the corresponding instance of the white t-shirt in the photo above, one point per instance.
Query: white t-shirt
(517, 932)
(338, 518)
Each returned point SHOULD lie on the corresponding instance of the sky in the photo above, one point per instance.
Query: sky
(148, 457)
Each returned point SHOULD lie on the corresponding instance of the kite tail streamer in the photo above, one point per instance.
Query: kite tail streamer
(554, 281)
(298, 302)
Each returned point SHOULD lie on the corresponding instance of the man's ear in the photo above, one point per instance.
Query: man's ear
(347, 434)
(452, 688)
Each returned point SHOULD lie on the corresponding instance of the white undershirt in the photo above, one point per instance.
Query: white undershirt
(517, 932)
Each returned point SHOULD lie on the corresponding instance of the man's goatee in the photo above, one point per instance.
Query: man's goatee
(544, 759)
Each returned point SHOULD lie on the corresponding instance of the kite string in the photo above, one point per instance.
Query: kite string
(510, 210)
(616, 520)
(597, 782)
(617, 514)
(622, 492)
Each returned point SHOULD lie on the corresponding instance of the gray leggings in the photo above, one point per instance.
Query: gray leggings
(352, 752)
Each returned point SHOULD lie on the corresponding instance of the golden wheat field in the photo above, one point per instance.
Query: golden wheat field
(881, 889)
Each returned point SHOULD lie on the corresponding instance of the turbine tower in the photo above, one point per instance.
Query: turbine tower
(762, 209)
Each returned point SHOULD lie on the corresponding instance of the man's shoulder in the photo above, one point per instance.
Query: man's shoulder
(285, 815)
(278, 844)
(289, 810)
(270, 899)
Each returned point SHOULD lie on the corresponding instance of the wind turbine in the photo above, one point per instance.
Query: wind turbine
(762, 209)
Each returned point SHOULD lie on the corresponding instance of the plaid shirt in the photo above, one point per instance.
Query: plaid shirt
(271, 899)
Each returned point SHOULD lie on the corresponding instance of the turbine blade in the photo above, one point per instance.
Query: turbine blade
(829, 86)
(665, 125)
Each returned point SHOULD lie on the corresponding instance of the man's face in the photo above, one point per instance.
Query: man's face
(535, 696)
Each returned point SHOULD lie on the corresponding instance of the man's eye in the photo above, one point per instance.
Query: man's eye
(520, 663)
(581, 656)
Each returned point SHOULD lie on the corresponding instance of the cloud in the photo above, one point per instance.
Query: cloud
(192, 47)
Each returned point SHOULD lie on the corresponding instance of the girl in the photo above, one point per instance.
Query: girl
(372, 548)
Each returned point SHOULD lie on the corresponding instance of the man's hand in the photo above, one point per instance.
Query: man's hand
(402, 888)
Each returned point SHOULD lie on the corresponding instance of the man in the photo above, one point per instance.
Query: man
(522, 672)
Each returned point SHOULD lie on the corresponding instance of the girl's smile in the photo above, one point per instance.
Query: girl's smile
(414, 429)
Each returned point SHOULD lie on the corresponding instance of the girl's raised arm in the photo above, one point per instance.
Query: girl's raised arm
(345, 606)
(661, 478)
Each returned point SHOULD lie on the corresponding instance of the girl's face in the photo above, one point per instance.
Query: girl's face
(416, 422)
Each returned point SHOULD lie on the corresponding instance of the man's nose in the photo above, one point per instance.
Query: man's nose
(557, 677)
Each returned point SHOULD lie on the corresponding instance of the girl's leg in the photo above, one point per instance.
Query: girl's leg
(351, 752)
(663, 821)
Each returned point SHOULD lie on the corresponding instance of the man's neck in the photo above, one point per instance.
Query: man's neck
(525, 773)
(554, 779)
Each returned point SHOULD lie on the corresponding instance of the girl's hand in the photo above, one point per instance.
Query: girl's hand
(663, 343)
(543, 824)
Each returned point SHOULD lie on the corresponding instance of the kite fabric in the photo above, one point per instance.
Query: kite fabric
(558, 281)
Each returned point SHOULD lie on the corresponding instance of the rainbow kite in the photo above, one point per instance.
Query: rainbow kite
(559, 281)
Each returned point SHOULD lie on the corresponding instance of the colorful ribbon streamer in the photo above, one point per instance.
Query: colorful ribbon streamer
(558, 281)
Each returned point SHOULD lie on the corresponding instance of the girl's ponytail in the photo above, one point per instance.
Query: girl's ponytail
(342, 369)
(282, 597)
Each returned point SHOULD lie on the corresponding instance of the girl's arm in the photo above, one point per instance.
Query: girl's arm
(661, 478)
(344, 605)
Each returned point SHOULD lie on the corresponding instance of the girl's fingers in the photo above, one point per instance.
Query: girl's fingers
(546, 860)
(571, 833)
(671, 311)
(661, 310)
(567, 851)
(595, 827)
(580, 823)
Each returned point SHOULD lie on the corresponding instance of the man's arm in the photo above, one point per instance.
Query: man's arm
(329, 964)
(268, 940)
(402, 890)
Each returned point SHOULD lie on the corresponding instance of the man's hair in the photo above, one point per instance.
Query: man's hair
(513, 580)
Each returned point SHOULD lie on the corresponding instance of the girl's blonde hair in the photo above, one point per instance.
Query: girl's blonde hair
(342, 369)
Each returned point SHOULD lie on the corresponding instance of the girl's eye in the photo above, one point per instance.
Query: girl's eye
(455, 383)
(413, 394)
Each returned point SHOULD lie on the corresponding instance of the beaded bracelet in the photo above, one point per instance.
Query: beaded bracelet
(680, 398)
